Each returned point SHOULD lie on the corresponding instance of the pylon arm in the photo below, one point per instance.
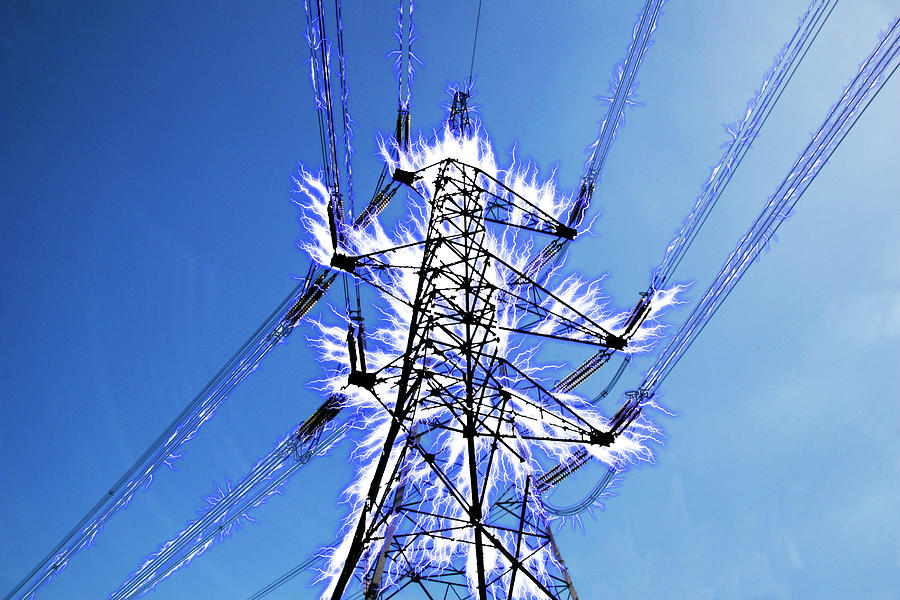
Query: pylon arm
(542, 312)
(550, 315)
(502, 204)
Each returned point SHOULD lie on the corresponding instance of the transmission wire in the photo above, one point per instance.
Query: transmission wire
(474, 45)
(768, 221)
(695, 324)
(740, 150)
(179, 429)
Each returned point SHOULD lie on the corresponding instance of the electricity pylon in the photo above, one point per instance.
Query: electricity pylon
(452, 502)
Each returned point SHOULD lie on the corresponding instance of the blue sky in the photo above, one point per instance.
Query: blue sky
(147, 155)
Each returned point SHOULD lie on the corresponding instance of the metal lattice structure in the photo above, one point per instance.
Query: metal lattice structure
(462, 409)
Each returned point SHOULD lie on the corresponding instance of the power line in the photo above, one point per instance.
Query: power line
(876, 70)
(474, 45)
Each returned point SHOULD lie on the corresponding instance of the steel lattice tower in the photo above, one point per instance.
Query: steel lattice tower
(464, 412)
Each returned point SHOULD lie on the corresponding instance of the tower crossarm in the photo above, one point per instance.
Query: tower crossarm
(546, 314)
(539, 311)
(538, 403)
(501, 203)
